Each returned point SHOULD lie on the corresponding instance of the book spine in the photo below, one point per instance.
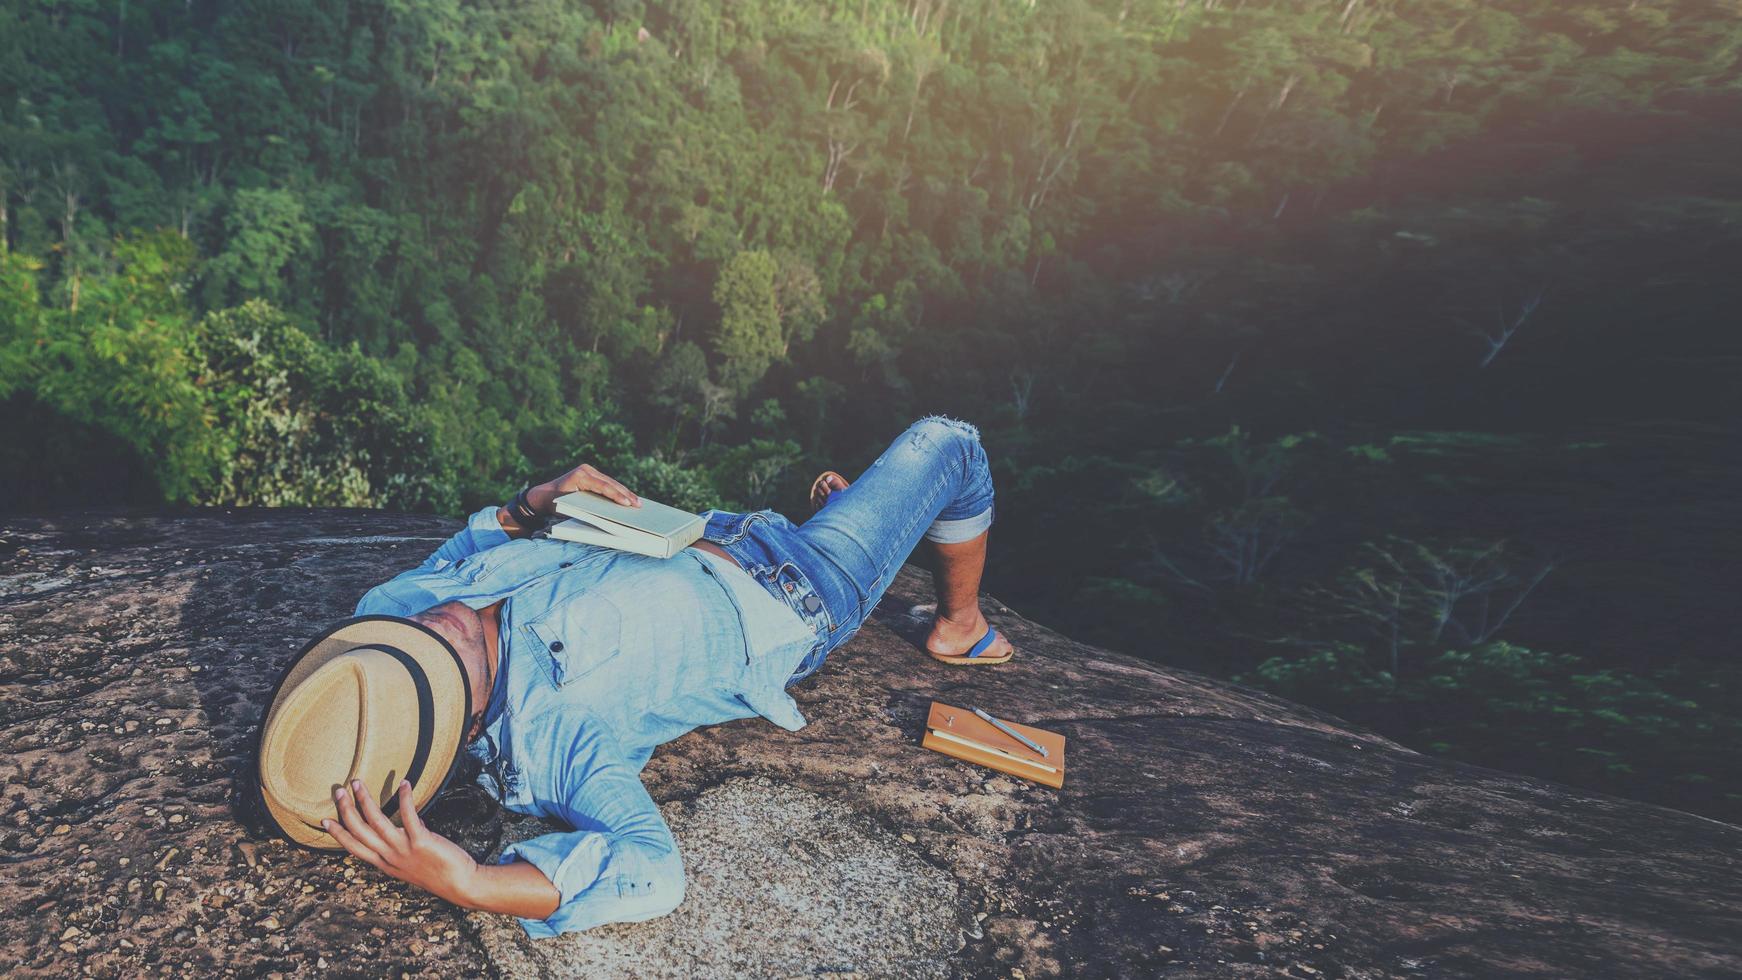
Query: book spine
(1003, 764)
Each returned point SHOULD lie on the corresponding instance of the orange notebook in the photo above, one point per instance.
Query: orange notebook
(960, 733)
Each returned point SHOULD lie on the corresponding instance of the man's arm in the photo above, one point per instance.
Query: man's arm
(419, 856)
(542, 498)
(403, 595)
(620, 864)
(494, 525)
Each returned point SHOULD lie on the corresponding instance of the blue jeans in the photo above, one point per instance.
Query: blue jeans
(932, 482)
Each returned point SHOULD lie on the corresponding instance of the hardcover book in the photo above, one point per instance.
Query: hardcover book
(960, 733)
(653, 529)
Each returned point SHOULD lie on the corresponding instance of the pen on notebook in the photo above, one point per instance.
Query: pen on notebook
(1013, 733)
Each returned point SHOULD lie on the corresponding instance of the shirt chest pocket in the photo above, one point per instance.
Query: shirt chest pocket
(577, 635)
(483, 567)
(510, 567)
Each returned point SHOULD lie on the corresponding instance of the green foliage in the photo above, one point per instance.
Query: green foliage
(21, 327)
(683, 394)
(119, 359)
(1507, 706)
(265, 233)
(767, 304)
(665, 481)
(303, 424)
(750, 475)
(1130, 601)
(602, 180)
(749, 339)
(241, 407)
(1341, 674)
(1231, 504)
(1406, 596)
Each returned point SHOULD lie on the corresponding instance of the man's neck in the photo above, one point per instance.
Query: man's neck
(491, 618)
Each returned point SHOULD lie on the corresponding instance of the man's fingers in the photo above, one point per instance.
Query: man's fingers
(378, 822)
(587, 477)
(408, 812)
(350, 844)
(356, 824)
(602, 484)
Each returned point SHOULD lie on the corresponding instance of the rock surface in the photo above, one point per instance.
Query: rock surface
(1204, 829)
(834, 892)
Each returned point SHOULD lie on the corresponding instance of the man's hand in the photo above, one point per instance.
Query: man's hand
(583, 477)
(422, 857)
(542, 498)
(413, 854)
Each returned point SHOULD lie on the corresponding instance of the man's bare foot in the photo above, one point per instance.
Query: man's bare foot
(826, 483)
(951, 640)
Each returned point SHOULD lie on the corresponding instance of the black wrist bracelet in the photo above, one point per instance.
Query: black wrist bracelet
(521, 510)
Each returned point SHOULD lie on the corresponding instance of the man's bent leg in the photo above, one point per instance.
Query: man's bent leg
(934, 483)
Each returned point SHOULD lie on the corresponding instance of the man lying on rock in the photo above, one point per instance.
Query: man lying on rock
(562, 666)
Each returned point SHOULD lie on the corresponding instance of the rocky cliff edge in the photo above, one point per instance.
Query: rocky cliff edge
(1204, 830)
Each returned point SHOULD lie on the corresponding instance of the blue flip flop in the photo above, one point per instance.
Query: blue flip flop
(974, 658)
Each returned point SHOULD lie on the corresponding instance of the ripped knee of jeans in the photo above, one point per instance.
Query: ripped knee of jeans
(943, 425)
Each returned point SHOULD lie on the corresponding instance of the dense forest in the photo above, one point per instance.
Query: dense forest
(1379, 354)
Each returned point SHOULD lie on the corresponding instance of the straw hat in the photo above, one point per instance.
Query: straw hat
(376, 698)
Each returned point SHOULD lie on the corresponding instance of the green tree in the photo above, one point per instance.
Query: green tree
(749, 337)
(265, 232)
(305, 425)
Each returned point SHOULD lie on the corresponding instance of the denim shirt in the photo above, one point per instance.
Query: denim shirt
(604, 656)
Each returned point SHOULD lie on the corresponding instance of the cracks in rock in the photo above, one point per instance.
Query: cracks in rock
(62, 588)
(1205, 716)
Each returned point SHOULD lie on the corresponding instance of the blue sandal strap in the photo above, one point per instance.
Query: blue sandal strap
(985, 641)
